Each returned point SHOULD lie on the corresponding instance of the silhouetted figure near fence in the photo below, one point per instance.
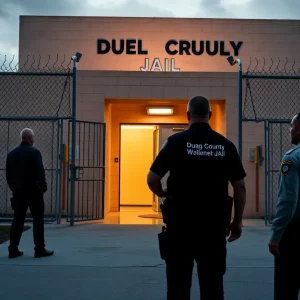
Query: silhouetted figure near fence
(25, 175)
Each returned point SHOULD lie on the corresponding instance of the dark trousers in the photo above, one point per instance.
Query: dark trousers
(287, 265)
(20, 206)
(210, 256)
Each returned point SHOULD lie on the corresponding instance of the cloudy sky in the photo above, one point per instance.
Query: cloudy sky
(258, 9)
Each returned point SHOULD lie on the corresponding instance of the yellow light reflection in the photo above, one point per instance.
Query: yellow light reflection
(160, 111)
(138, 127)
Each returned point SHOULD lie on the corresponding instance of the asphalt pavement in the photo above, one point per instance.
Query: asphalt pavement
(99, 261)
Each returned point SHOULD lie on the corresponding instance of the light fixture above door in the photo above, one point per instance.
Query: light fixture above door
(160, 110)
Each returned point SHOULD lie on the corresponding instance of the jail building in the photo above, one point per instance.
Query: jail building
(133, 83)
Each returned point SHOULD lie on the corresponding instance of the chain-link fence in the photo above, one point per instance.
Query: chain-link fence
(37, 94)
(272, 96)
(272, 90)
(278, 142)
(48, 142)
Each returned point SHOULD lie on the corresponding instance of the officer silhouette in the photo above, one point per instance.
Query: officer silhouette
(284, 242)
(201, 163)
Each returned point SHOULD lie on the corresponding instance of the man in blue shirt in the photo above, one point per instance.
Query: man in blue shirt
(284, 243)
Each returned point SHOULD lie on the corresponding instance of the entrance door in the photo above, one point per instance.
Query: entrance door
(136, 157)
(164, 132)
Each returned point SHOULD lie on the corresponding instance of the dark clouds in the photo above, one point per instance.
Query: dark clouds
(258, 9)
(212, 9)
(135, 9)
(79, 7)
(274, 9)
(44, 7)
(252, 9)
(11, 9)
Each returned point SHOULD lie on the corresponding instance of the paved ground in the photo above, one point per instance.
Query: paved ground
(98, 261)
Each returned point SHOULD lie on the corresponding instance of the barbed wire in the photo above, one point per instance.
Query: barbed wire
(35, 87)
(272, 66)
(272, 89)
(35, 63)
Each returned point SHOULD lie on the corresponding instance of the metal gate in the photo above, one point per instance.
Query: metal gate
(48, 140)
(90, 171)
(277, 142)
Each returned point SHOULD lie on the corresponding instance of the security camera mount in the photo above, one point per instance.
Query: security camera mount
(76, 58)
(233, 61)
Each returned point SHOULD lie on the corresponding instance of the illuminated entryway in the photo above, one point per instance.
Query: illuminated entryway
(133, 138)
(139, 145)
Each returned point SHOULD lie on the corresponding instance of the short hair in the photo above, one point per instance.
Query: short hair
(198, 106)
(26, 133)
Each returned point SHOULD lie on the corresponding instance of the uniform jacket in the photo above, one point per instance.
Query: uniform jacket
(288, 206)
(201, 163)
(25, 173)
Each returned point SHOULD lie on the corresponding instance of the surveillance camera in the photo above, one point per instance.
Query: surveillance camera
(231, 60)
(78, 56)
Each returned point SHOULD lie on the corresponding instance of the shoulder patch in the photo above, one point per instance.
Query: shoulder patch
(286, 166)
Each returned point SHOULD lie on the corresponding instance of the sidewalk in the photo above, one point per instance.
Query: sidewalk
(99, 261)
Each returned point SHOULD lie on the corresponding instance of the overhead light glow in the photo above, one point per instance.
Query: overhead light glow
(153, 127)
(160, 111)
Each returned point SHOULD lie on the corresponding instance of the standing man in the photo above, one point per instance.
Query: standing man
(25, 176)
(201, 163)
(284, 243)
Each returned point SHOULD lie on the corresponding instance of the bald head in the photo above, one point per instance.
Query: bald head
(295, 129)
(296, 120)
(27, 135)
(199, 108)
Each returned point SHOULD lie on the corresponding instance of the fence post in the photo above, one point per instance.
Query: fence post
(240, 109)
(58, 172)
(73, 157)
(269, 173)
(266, 129)
(233, 62)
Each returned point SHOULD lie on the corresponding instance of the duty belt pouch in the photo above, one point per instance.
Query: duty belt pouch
(167, 210)
(164, 243)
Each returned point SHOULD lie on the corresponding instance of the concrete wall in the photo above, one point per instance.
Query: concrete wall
(95, 87)
(65, 35)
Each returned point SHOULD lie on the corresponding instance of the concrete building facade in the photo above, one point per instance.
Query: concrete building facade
(132, 64)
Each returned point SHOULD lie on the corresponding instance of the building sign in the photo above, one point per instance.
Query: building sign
(172, 48)
(168, 65)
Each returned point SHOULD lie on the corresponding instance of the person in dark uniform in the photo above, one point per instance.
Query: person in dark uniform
(201, 163)
(284, 243)
(25, 176)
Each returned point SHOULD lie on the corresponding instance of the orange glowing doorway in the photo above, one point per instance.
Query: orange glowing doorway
(139, 145)
(133, 112)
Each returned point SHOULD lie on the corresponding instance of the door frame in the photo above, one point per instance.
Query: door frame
(137, 124)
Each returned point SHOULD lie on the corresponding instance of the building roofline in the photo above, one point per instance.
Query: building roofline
(158, 18)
